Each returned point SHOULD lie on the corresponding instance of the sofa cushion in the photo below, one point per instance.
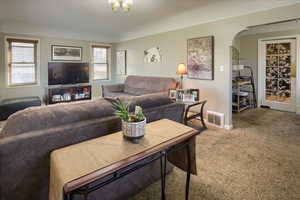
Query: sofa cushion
(118, 94)
(146, 101)
(137, 91)
(139, 85)
(38, 118)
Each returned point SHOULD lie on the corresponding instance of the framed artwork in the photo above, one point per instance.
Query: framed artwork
(235, 56)
(179, 95)
(172, 93)
(121, 62)
(187, 97)
(200, 61)
(195, 93)
(66, 53)
(152, 55)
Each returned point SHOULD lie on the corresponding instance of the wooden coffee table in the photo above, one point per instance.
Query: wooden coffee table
(78, 169)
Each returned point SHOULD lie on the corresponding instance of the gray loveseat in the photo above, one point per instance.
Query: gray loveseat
(140, 85)
(30, 135)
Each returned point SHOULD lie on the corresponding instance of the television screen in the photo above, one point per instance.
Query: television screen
(67, 73)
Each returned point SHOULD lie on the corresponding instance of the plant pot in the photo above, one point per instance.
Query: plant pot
(133, 131)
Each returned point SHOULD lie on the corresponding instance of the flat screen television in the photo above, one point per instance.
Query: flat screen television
(60, 73)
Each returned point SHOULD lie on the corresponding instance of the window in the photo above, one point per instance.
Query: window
(100, 62)
(22, 62)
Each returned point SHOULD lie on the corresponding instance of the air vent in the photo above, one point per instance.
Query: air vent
(215, 119)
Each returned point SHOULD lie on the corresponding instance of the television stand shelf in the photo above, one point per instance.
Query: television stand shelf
(69, 94)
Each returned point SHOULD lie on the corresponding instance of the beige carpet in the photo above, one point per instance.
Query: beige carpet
(258, 160)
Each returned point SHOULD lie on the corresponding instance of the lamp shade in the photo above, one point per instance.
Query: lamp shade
(181, 69)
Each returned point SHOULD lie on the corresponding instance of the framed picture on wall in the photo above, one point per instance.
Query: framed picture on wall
(152, 55)
(121, 62)
(200, 60)
(66, 53)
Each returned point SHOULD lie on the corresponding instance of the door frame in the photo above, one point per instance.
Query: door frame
(261, 71)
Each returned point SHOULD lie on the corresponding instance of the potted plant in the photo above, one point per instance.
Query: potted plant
(133, 124)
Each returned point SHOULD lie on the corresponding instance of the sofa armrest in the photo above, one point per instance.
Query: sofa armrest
(106, 89)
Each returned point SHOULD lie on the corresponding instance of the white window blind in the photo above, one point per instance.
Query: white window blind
(22, 62)
(100, 62)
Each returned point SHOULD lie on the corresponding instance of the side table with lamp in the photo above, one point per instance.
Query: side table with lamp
(181, 70)
(190, 98)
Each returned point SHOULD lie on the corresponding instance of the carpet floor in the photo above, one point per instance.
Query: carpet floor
(258, 160)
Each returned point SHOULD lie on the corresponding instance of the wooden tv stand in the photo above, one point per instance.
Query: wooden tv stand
(69, 94)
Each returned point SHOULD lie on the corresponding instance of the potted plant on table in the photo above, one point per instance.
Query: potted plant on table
(133, 124)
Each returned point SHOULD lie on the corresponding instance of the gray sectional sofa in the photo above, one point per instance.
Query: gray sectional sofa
(140, 85)
(30, 135)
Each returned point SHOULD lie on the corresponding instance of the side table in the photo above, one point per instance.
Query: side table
(196, 114)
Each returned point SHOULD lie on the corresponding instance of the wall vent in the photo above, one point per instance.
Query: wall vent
(215, 119)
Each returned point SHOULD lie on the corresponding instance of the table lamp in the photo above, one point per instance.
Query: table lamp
(181, 71)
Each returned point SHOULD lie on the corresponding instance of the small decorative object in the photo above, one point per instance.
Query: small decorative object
(133, 125)
(181, 71)
(235, 56)
(179, 96)
(152, 55)
(172, 93)
(200, 63)
(124, 5)
(188, 97)
(57, 98)
(121, 62)
(66, 53)
(195, 93)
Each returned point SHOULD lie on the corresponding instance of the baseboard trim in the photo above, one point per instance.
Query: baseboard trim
(228, 127)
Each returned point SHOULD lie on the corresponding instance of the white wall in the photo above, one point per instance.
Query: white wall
(45, 57)
(173, 47)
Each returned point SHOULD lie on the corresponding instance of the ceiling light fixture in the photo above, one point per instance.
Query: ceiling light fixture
(125, 5)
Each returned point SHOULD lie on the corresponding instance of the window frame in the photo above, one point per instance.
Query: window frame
(8, 62)
(108, 61)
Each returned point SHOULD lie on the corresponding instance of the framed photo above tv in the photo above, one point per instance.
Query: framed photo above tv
(66, 53)
(200, 63)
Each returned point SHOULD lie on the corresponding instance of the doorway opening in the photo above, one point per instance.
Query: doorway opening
(265, 68)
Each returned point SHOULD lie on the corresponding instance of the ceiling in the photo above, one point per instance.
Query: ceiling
(94, 19)
(269, 28)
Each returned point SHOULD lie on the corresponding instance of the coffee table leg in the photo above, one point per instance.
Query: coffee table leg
(67, 196)
(188, 175)
(85, 196)
(163, 167)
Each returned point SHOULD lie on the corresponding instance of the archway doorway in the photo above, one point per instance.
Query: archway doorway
(265, 68)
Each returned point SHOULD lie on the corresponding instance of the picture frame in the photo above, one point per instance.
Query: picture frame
(200, 58)
(195, 93)
(173, 93)
(179, 95)
(188, 97)
(121, 62)
(152, 55)
(66, 53)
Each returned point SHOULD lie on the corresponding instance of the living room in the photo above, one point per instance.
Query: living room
(89, 58)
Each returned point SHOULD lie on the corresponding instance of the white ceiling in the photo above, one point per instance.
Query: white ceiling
(278, 27)
(94, 19)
